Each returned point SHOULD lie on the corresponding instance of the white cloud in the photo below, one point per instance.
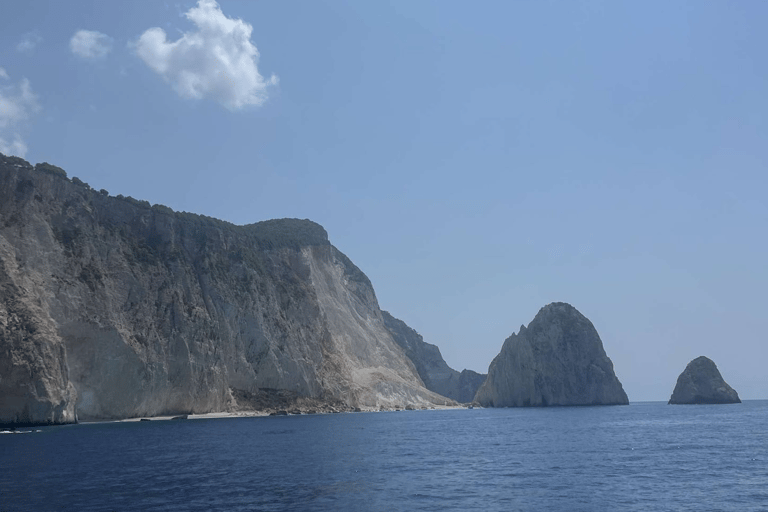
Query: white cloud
(29, 42)
(217, 60)
(90, 44)
(17, 104)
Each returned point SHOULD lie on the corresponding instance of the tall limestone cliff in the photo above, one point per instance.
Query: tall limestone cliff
(701, 383)
(429, 362)
(112, 308)
(558, 360)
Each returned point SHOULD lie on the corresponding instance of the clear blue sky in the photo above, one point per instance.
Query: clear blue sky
(476, 160)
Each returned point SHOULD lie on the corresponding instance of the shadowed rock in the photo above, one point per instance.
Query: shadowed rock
(557, 360)
(429, 362)
(701, 383)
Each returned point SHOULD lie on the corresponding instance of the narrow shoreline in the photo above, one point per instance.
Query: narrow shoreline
(7, 428)
(258, 414)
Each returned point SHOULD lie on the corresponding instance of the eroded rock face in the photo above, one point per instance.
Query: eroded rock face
(111, 308)
(701, 383)
(433, 370)
(34, 381)
(557, 360)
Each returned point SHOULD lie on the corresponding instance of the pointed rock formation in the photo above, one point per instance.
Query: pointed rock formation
(429, 362)
(558, 360)
(701, 383)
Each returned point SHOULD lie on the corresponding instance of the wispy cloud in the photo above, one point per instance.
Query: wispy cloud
(17, 105)
(29, 42)
(217, 60)
(90, 44)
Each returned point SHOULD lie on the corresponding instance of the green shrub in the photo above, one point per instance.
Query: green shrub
(137, 202)
(51, 169)
(77, 181)
(162, 208)
(14, 161)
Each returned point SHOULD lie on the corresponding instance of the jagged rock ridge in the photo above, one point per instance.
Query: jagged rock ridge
(113, 308)
(701, 383)
(557, 360)
(429, 362)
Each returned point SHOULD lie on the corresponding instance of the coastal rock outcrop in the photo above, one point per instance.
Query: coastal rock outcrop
(557, 360)
(701, 383)
(111, 308)
(433, 370)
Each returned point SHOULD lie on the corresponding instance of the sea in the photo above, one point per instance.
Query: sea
(645, 456)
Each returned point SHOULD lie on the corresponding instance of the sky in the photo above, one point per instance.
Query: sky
(476, 160)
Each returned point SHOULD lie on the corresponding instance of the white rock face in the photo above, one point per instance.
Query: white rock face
(113, 309)
(558, 360)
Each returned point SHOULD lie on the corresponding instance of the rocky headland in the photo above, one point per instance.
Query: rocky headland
(557, 360)
(701, 383)
(433, 370)
(114, 308)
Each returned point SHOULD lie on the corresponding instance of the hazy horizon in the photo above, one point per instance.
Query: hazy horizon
(477, 162)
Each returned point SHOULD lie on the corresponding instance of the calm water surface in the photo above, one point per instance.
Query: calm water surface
(648, 456)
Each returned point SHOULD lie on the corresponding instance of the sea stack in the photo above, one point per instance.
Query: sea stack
(557, 360)
(701, 383)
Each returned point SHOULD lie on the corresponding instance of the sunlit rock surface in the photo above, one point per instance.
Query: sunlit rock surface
(557, 360)
(701, 383)
(113, 308)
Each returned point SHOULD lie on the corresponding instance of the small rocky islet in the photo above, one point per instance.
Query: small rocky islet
(701, 383)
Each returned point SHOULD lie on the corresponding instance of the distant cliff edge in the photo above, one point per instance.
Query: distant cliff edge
(429, 362)
(557, 360)
(112, 308)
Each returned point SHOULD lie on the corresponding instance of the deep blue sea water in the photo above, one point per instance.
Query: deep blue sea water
(647, 456)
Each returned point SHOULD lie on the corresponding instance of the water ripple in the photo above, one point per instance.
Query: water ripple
(649, 457)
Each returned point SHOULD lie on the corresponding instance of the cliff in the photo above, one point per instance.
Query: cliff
(113, 308)
(557, 360)
(701, 383)
(433, 370)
